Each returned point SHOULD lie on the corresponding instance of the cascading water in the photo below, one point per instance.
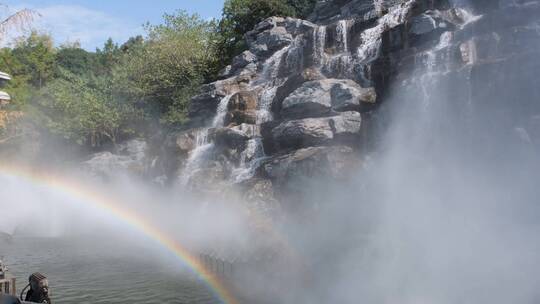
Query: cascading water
(268, 83)
(294, 59)
(319, 45)
(342, 30)
(250, 159)
(197, 156)
(221, 112)
(372, 38)
(435, 63)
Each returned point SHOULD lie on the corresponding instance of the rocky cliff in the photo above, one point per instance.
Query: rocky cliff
(307, 99)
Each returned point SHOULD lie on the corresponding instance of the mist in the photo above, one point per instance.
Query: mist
(443, 208)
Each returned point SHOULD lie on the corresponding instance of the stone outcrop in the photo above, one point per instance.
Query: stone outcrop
(306, 95)
(325, 97)
(317, 131)
(128, 158)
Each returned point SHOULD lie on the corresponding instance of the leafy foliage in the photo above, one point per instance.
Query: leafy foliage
(169, 67)
(86, 110)
(95, 98)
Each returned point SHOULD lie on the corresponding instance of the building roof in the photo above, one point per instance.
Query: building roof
(4, 96)
(5, 76)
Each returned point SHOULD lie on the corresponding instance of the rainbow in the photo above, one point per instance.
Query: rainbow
(129, 217)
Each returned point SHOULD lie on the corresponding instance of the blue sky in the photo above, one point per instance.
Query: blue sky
(91, 22)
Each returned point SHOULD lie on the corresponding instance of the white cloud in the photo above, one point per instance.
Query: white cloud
(71, 23)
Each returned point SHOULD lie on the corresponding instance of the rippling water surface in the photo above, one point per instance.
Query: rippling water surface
(91, 271)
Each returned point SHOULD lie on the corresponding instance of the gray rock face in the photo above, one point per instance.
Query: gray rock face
(312, 99)
(312, 161)
(270, 41)
(242, 108)
(250, 131)
(309, 86)
(322, 97)
(229, 137)
(129, 158)
(317, 131)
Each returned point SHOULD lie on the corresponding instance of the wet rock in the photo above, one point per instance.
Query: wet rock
(203, 106)
(322, 97)
(243, 64)
(347, 95)
(185, 141)
(270, 41)
(317, 131)
(312, 99)
(248, 129)
(423, 24)
(259, 197)
(208, 179)
(129, 158)
(229, 137)
(311, 162)
(243, 60)
(242, 108)
(292, 83)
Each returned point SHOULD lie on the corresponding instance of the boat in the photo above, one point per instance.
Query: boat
(37, 290)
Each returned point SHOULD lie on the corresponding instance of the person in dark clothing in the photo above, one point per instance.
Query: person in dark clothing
(39, 289)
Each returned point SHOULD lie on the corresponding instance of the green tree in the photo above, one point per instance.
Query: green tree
(36, 55)
(75, 60)
(169, 67)
(19, 87)
(108, 57)
(86, 110)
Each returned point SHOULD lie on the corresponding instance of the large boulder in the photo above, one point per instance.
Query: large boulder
(229, 137)
(311, 162)
(323, 97)
(242, 108)
(243, 60)
(129, 158)
(292, 83)
(270, 41)
(203, 106)
(317, 131)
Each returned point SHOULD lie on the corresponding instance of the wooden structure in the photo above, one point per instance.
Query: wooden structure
(7, 282)
(5, 99)
(8, 286)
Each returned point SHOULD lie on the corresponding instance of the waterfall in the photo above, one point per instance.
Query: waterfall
(342, 30)
(197, 156)
(444, 42)
(268, 83)
(250, 159)
(372, 38)
(221, 112)
(432, 66)
(466, 16)
(379, 6)
(264, 111)
(294, 59)
(272, 65)
(319, 45)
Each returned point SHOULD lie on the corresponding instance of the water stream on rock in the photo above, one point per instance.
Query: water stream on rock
(319, 45)
(433, 199)
(342, 31)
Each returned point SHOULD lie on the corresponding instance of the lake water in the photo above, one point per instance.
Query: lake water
(94, 271)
